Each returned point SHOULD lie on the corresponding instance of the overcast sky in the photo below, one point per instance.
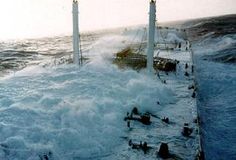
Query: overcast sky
(36, 18)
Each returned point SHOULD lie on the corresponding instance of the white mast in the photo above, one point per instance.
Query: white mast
(151, 34)
(76, 50)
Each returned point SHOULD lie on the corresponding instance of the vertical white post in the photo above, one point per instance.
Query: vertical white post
(151, 34)
(76, 50)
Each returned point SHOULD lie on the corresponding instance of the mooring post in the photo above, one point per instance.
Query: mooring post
(151, 34)
(76, 50)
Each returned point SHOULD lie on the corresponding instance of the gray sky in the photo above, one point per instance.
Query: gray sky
(37, 18)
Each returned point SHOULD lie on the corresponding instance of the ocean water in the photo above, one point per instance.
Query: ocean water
(51, 109)
(214, 42)
(18, 54)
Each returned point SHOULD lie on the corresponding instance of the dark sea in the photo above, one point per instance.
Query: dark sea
(214, 48)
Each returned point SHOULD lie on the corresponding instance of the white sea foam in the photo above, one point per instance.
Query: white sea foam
(172, 37)
(69, 111)
(210, 46)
